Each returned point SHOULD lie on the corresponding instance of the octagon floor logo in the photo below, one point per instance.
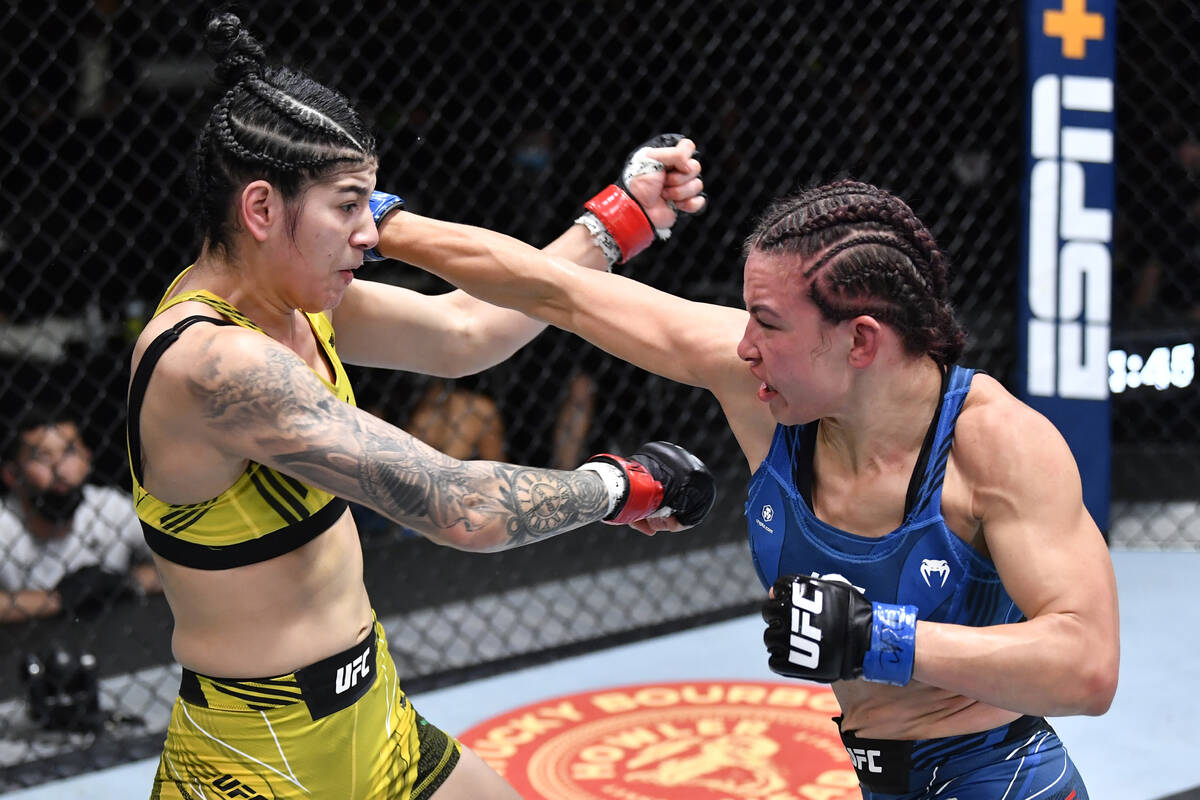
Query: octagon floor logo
(700, 740)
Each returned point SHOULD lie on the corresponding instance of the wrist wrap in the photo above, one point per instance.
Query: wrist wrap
(624, 219)
(642, 494)
(381, 204)
(893, 644)
(601, 238)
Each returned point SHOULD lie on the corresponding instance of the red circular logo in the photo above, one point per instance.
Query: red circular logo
(700, 740)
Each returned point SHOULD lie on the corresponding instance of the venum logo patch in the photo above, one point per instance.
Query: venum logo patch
(936, 567)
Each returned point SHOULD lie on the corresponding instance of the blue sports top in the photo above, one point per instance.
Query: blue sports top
(921, 563)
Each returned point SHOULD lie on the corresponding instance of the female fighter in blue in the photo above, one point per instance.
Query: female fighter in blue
(923, 531)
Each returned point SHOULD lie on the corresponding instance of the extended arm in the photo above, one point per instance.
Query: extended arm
(259, 401)
(459, 334)
(690, 342)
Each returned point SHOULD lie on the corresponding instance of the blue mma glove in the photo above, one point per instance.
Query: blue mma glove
(382, 204)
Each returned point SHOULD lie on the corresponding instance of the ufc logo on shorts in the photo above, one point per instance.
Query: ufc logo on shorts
(232, 787)
(348, 675)
(805, 648)
(862, 757)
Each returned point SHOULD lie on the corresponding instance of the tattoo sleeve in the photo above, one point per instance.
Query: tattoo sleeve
(287, 419)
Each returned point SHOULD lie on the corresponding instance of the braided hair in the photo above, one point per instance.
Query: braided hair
(872, 256)
(273, 124)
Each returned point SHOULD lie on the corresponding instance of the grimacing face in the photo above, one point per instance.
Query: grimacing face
(787, 344)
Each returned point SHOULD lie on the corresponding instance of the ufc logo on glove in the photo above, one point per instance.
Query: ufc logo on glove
(806, 637)
(827, 631)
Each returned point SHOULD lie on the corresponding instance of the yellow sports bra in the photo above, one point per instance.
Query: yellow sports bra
(265, 513)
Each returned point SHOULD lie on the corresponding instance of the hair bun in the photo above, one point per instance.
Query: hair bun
(237, 53)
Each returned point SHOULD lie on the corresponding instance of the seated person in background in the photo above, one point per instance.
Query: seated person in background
(64, 543)
(451, 416)
(573, 424)
(461, 422)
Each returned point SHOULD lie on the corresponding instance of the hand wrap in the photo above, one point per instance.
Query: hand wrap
(659, 480)
(828, 631)
(618, 223)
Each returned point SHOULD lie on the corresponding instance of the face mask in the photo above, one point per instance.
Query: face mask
(57, 506)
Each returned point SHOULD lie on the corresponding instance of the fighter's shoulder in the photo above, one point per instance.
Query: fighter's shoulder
(996, 426)
(199, 345)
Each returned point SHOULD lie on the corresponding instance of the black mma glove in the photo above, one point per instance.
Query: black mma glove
(659, 480)
(829, 631)
(381, 204)
(89, 590)
(616, 220)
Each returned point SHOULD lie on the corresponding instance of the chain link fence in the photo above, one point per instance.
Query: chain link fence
(508, 115)
(1156, 305)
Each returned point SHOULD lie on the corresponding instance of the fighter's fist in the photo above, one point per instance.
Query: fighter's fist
(828, 631)
(663, 175)
(659, 178)
(661, 482)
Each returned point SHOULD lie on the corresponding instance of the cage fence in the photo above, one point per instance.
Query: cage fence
(508, 115)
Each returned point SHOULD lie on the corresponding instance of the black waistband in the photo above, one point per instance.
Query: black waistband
(329, 685)
(893, 766)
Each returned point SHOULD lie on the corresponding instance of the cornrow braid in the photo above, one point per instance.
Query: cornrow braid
(883, 240)
(272, 124)
(867, 253)
(302, 115)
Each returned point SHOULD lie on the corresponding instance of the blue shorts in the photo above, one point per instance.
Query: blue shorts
(1024, 759)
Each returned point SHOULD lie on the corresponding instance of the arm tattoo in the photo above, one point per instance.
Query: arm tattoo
(299, 427)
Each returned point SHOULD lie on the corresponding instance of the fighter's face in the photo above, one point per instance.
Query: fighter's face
(789, 347)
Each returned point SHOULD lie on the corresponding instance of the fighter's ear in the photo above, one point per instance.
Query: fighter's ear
(867, 334)
(259, 209)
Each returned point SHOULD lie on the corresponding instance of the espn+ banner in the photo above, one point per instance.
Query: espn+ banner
(1069, 189)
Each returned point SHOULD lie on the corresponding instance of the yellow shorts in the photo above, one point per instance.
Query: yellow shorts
(340, 728)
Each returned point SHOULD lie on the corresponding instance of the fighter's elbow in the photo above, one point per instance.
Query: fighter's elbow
(468, 540)
(1098, 688)
(1090, 687)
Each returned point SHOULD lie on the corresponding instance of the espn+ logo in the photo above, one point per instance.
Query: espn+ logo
(1070, 264)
